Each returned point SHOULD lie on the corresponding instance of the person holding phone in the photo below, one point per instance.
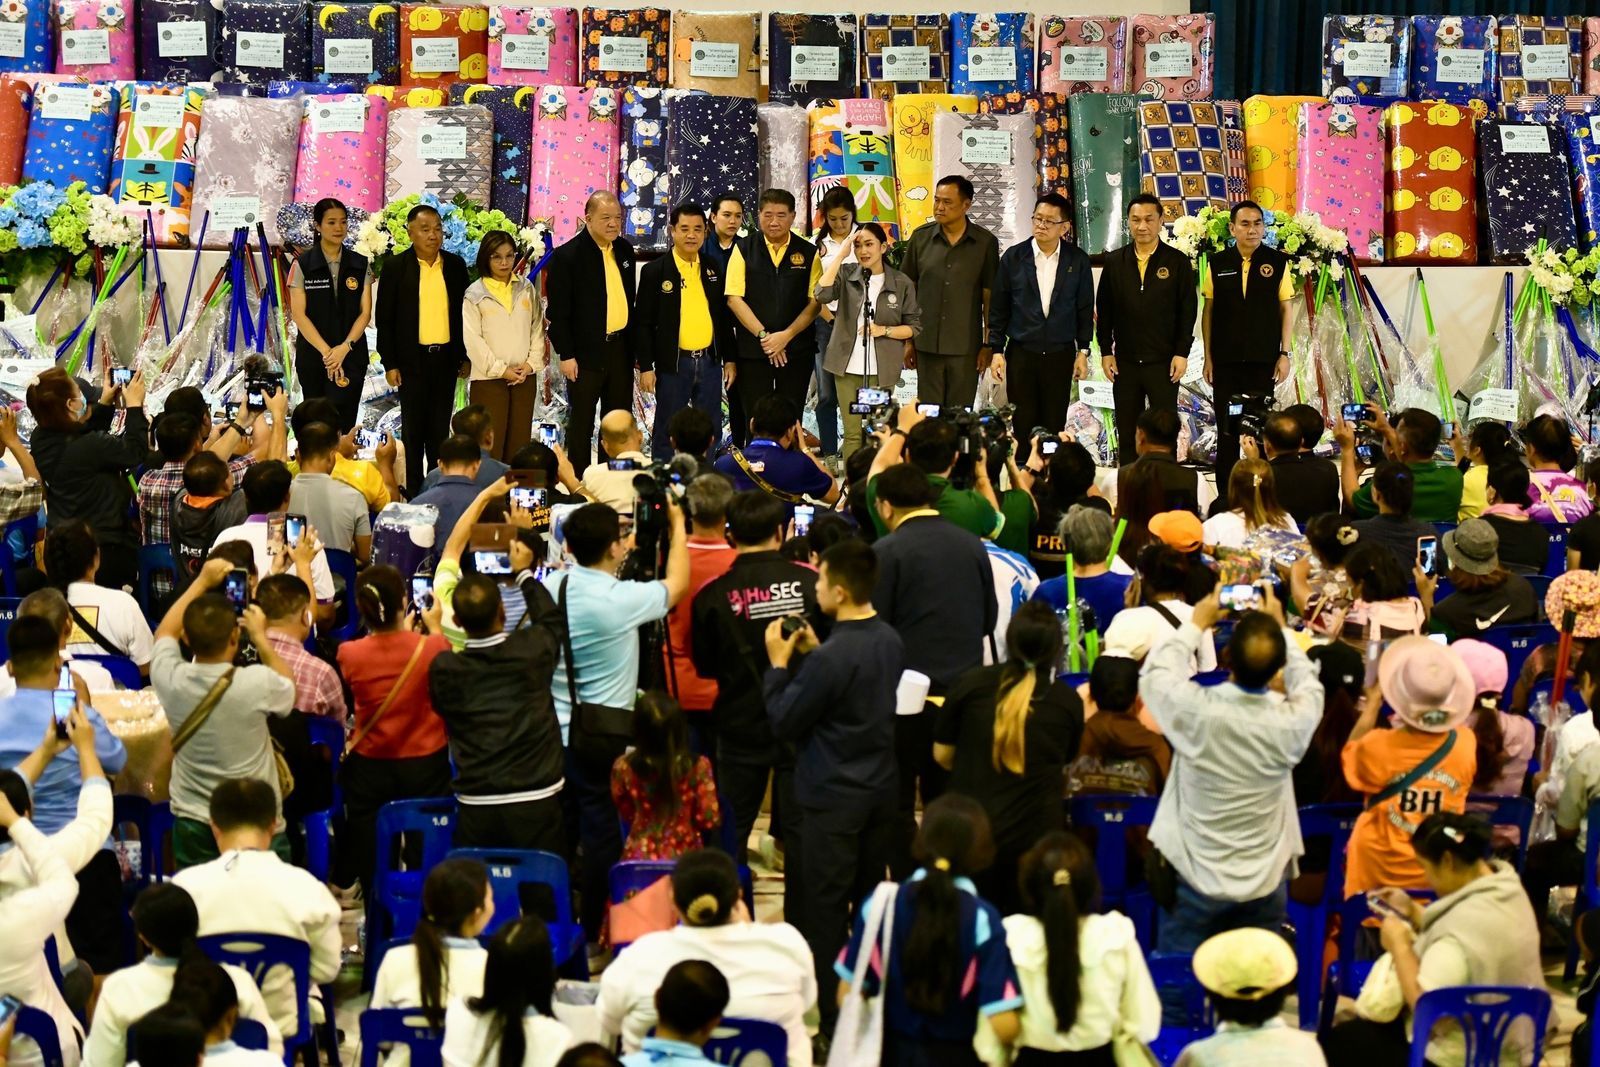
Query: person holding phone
(1486, 594)
(85, 467)
(337, 511)
(502, 322)
(877, 313)
(1235, 747)
(330, 303)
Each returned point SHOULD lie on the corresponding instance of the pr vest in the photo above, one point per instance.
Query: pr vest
(777, 294)
(332, 304)
(1246, 328)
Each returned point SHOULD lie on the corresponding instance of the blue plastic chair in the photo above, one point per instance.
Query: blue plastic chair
(397, 892)
(510, 870)
(1444, 527)
(1556, 563)
(1485, 1014)
(343, 566)
(735, 1040)
(1310, 921)
(123, 670)
(1518, 642)
(1506, 811)
(28, 527)
(1175, 970)
(247, 1033)
(1210, 678)
(328, 735)
(38, 1026)
(153, 559)
(258, 954)
(1346, 974)
(1540, 584)
(399, 1026)
(1588, 890)
(8, 612)
(1112, 815)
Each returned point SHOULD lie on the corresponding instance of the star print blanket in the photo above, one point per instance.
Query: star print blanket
(1583, 154)
(1433, 203)
(711, 148)
(152, 169)
(511, 107)
(265, 40)
(359, 41)
(913, 149)
(642, 163)
(575, 140)
(1525, 188)
(342, 141)
(1341, 171)
(178, 40)
(1105, 167)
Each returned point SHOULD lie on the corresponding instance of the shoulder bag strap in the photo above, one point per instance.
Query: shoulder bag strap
(94, 635)
(764, 485)
(1545, 498)
(202, 711)
(1434, 758)
(399, 684)
(1166, 613)
(566, 650)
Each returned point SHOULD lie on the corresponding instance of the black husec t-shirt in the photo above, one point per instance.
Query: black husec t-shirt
(1024, 806)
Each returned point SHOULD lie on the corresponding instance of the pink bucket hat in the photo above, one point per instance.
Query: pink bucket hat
(1426, 684)
(1485, 663)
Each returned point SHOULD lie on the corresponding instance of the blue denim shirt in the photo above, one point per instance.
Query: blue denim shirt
(23, 718)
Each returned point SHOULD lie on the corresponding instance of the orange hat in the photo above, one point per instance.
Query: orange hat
(1179, 529)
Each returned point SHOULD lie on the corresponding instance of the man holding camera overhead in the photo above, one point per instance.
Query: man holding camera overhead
(1246, 324)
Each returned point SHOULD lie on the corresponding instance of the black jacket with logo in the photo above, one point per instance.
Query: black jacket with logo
(729, 617)
(653, 331)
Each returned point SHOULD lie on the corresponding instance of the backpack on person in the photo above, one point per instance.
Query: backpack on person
(194, 531)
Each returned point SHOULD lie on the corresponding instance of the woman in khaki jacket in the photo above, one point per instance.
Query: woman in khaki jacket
(502, 322)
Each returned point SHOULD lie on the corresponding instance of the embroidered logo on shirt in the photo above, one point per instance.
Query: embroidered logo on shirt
(350, 284)
(666, 286)
(1484, 624)
(892, 299)
(1266, 270)
(1163, 273)
(797, 260)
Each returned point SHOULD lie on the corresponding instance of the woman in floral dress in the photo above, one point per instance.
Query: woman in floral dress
(664, 793)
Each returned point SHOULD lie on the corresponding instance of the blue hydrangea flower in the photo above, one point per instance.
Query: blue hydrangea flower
(32, 235)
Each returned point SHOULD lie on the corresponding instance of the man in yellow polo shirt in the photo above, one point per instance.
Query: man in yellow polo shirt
(589, 305)
(771, 276)
(677, 320)
(419, 336)
(1245, 324)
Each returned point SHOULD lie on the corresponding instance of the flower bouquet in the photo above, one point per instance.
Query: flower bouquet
(465, 225)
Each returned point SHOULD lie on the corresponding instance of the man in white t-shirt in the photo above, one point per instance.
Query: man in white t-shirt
(51, 605)
(106, 622)
(250, 889)
(266, 490)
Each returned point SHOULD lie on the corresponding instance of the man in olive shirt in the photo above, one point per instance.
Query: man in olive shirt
(770, 278)
(589, 285)
(953, 260)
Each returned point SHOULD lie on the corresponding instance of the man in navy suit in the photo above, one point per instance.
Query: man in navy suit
(1041, 316)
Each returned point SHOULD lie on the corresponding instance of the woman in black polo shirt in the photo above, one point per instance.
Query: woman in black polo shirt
(330, 300)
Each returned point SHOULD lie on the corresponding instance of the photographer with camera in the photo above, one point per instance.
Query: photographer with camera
(1235, 747)
(1247, 327)
(1307, 484)
(603, 616)
(775, 461)
(1412, 439)
(933, 446)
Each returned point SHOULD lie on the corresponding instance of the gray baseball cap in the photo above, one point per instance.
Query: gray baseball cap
(1473, 547)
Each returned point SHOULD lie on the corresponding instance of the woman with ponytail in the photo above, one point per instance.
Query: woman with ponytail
(398, 749)
(444, 960)
(662, 790)
(1252, 505)
(947, 962)
(768, 965)
(512, 1024)
(1083, 975)
(205, 990)
(166, 922)
(1007, 733)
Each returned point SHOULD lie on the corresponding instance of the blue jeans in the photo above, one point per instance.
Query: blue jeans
(696, 383)
(827, 396)
(1195, 918)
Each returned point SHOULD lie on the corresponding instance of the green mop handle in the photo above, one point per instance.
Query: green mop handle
(1072, 618)
(1116, 541)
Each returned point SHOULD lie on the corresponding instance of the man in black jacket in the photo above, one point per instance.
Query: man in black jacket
(419, 337)
(1145, 327)
(771, 277)
(730, 616)
(1307, 485)
(1155, 439)
(494, 698)
(836, 706)
(589, 285)
(1246, 324)
(677, 322)
(936, 588)
(1041, 316)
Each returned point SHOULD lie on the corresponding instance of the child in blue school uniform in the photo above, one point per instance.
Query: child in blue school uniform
(947, 962)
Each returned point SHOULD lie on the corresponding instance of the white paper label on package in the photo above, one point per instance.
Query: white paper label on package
(161, 112)
(524, 51)
(1097, 394)
(1368, 59)
(626, 55)
(714, 59)
(1496, 405)
(1085, 64)
(180, 40)
(1546, 62)
(443, 142)
(907, 63)
(259, 50)
(13, 40)
(84, 48)
(348, 114)
(228, 213)
(435, 55)
(347, 55)
(1169, 59)
(1460, 66)
(991, 64)
(986, 146)
(1525, 138)
(808, 61)
(67, 102)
